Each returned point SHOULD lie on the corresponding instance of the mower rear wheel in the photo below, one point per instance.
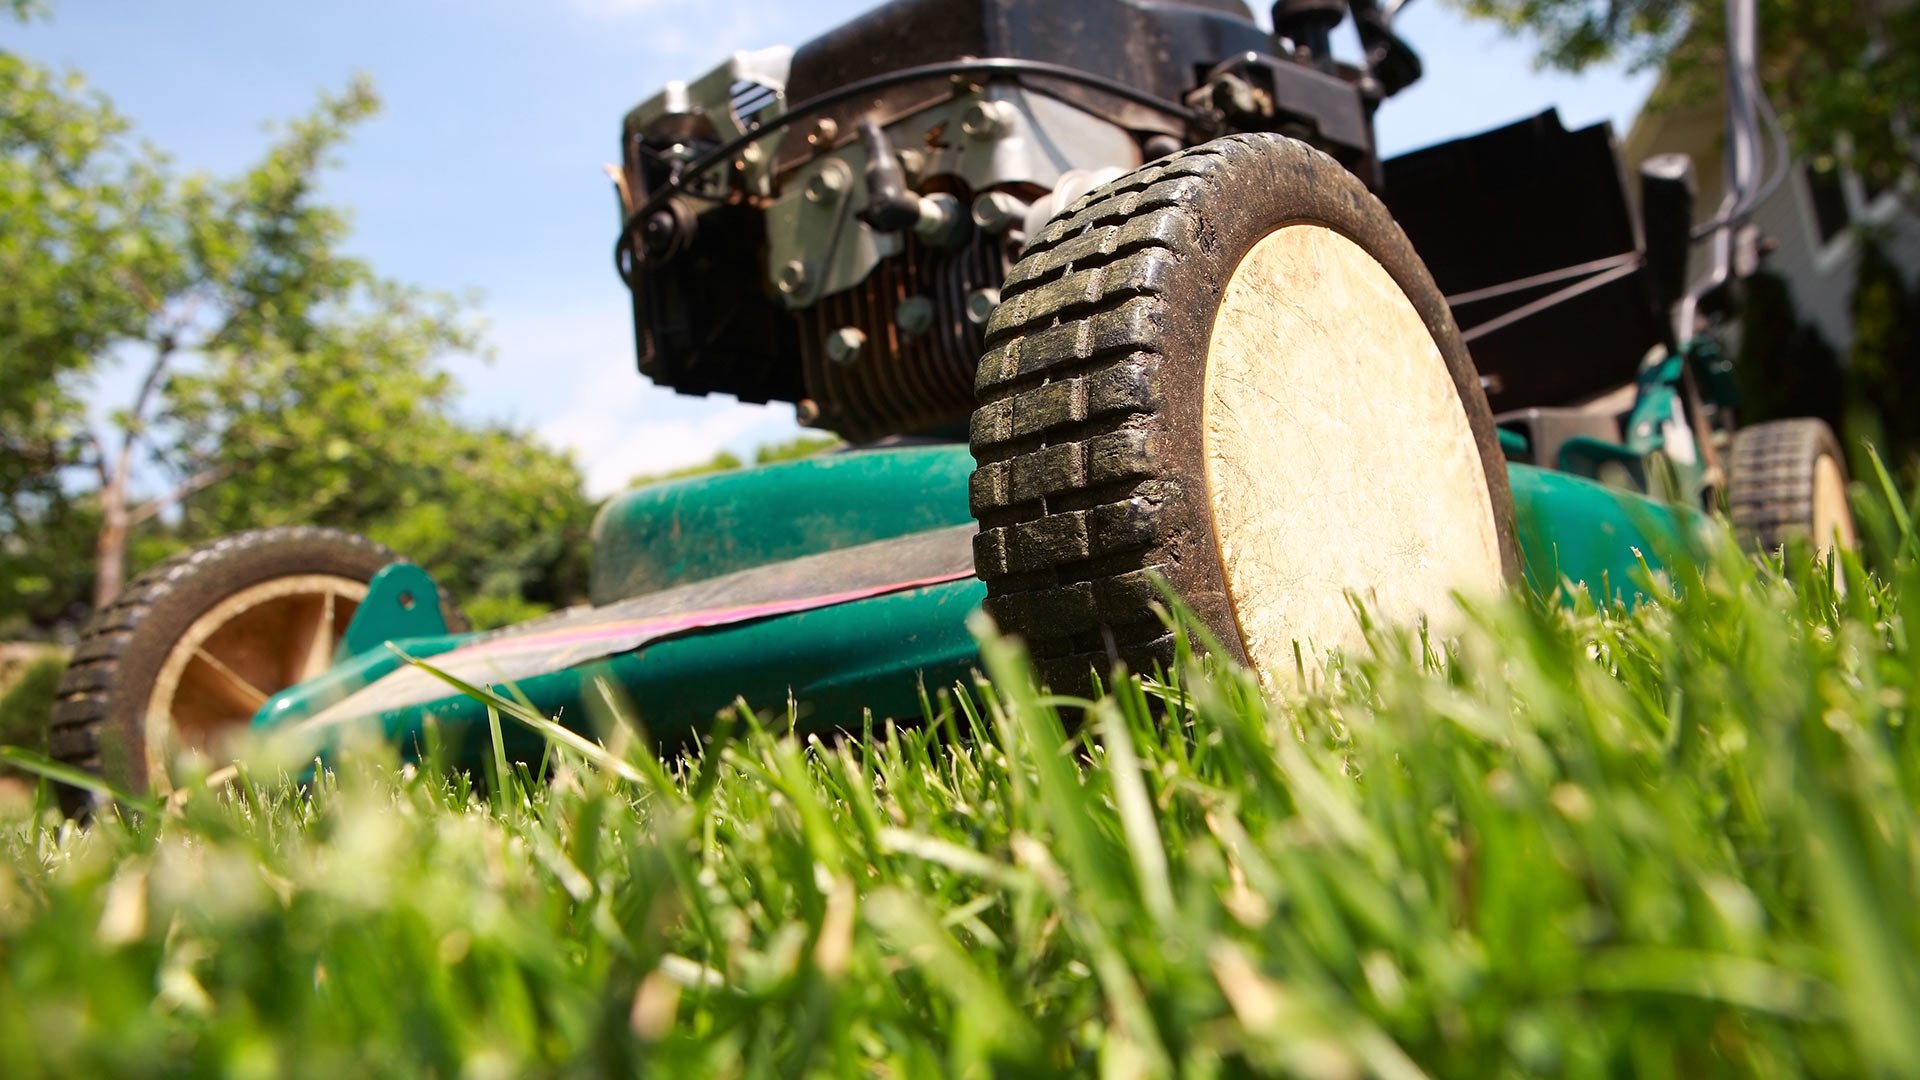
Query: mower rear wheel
(1231, 370)
(190, 649)
(1788, 482)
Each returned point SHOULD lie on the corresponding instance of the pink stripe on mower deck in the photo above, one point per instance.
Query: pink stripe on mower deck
(655, 629)
(575, 637)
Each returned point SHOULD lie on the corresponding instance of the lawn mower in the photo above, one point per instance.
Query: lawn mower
(1107, 297)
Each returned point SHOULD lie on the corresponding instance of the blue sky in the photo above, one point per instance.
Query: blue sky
(483, 173)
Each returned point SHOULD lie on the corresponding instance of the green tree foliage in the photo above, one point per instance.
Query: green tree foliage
(278, 378)
(29, 685)
(74, 202)
(1845, 76)
(64, 214)
(721, 461)
(1833, 67)
(1884, 361)
(800, 446)
(1785, 368)
(46, 565)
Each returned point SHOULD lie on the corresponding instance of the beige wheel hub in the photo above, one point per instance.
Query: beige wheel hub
(1339, 459)
(242, 651)
(1832, 519)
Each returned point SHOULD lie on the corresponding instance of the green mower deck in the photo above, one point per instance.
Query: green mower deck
(850, 597)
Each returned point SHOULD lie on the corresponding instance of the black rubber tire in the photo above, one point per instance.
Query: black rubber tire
(1089, 465)
(97, 722)
(1770, 481)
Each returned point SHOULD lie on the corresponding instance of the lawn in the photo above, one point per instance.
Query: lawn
(1672, 840)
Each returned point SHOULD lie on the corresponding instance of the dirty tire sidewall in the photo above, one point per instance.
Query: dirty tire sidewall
(99, 719)
(1091, 465)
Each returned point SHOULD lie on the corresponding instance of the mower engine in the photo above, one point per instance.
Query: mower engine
(832, 226)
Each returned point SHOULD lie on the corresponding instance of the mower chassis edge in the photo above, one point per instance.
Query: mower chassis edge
(876, 655)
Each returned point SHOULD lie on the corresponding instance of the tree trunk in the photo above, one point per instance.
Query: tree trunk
(110, 547)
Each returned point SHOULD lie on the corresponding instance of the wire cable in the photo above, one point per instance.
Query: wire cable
(1526, 311)
(990, 66)
(1611, 262)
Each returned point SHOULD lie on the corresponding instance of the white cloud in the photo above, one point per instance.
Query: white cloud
(626, 427)
(569, 374)
(703, 33)
(617, 9)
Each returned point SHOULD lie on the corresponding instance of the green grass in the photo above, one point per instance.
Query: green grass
(26, 699)
(1676, 841)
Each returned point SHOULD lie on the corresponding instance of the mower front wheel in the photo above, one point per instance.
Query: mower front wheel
(1229, 369)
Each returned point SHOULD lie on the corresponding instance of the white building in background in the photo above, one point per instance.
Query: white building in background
(1814, 218)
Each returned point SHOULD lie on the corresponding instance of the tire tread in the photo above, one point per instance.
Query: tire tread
(84, 699)
(1771, 479)
(1070, 392)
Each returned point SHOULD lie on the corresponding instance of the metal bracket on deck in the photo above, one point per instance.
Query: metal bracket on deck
(402, 602)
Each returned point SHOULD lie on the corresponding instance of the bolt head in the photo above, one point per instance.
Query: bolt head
(914, 315)
(792, 278)
(943, 220)
(998, 211)
(1159, 146)
(845, 345)
(980, 305)
(987, 119)
(827, 184)
(823, 132)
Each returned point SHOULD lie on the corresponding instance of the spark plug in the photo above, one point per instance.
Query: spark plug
(938, 219)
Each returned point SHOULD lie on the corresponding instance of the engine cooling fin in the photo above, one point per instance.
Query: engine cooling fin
(901, 381)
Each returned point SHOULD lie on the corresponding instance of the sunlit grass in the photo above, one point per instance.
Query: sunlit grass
(1677, 840)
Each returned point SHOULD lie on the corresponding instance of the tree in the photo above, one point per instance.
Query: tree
(277, 378)
(500, 519)
(800, 446)
(1884, 405)
(260, 342)
(70, 202)
(59, 219)
(1833, 67)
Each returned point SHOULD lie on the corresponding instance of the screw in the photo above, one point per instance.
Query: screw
(987, 119)
(792, 279)
(823, 132)
(806, 412)
(827, 184)
(913, 315)
(980, 305)
(845, 345)
(997, 211)
(943, 220)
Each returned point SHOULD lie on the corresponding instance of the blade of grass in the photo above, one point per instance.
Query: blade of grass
(60, 773)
